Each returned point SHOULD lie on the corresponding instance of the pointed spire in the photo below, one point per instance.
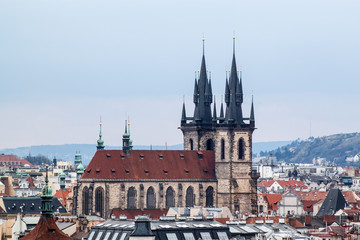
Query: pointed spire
(100, 142)
(130, 141)
(214, 111)
(234, 44)
(183, 114)
(227, 91)
(222, 108)
(126, 140)
(196, 91)
(252, 113)
(46, 196)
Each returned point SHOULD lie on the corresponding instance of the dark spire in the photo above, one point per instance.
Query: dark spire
(214, 111)
(233, 96)
(222, 108)
(202, 94)
(100, 142)
(183, 114)
(126, 140)
(227, 90)
(252, 114)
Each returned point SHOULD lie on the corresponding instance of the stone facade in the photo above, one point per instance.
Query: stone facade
(116, 195)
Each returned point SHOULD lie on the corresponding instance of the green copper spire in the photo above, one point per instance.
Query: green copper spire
(127, 143)
(100, 142)
(46, 197)
(79, 171)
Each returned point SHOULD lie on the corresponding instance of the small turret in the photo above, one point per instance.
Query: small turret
(77, 159)
(214, 111)
(126, 140)
(79, 171)
(100, 142)
(62, 181)
(252, 114)
(183, 114)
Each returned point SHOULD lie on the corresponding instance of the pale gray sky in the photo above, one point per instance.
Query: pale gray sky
(65, 63)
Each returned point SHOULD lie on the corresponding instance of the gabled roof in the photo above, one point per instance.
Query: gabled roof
(291, 184)
(350, 197)
(11, 158)
(151, 164)
(266, 183)
(273, 200)
(46, 229)
(333, 202)
(309, 204)
(311, 195)
(62, 195)
(31, 182)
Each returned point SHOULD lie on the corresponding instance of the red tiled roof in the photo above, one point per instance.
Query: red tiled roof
(311, 195)
(252, 220)
(132, 213)
(266, 183)
(31, 181)
(146, 164)
(273, 200)
(46, 229)
(308, 205)
(12, 158)
(62, 195)
(291, 184)
(349, 197)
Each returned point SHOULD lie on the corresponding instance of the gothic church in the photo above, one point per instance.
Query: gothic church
(213, 170)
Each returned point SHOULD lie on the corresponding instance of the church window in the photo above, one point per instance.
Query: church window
(99, 201)
(190, 197)
(170, 198)
(86, 201)
(241, 149)
(210, 144)
(222, 149)
(131, 198)
(191, 144)
(210, 197)
(150, 198)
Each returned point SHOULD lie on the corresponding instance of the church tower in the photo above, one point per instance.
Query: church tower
(229, 135)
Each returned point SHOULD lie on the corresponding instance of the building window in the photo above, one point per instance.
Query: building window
(210, 197)
(191, 144)
(85, 206)
(190, 197)
(170, 198)
(150, 198)
(131, 198)
(210, 144)
(222, 149)
(241, 149)
(99, 201)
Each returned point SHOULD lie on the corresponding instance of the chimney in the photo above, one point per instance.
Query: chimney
(142, 229)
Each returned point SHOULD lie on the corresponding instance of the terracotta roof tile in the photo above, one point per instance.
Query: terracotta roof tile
(62, 195)
(11, 158)
(135, 165)
(273, 200)
(308, 205)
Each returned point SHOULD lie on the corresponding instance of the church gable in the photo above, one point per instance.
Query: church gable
(151, 164)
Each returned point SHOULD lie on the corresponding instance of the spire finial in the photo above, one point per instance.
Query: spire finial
(203, 40)
(234, 44)
(100, 142)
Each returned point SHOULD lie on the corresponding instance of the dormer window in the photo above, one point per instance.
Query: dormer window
(165, 172)
(146, 171)
(108, 155)
(200, 155)
(113, 170)
(141, 156)
(186, 171)
(127, 171)
(181, 156)
(89, 170)
(160, 156)
(97, 170)
(205, 171)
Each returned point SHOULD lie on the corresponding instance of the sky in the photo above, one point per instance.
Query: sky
(63, 64)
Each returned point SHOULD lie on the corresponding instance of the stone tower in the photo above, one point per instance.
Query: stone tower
(229, 135)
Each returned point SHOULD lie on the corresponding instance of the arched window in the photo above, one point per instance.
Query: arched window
(150, 198)
(191, 144)
(170, 198)
(241, 149)
(190, 197)
(99, 200)
(131, 198)
(210, 197)
(85, 201)
(209, 144)
(222, 149)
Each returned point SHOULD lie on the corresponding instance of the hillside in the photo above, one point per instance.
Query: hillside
(334, 148)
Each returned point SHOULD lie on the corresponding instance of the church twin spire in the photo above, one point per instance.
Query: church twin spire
(203, 98)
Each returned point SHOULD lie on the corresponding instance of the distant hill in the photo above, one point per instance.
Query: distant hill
(334, 148)
(67, 151)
